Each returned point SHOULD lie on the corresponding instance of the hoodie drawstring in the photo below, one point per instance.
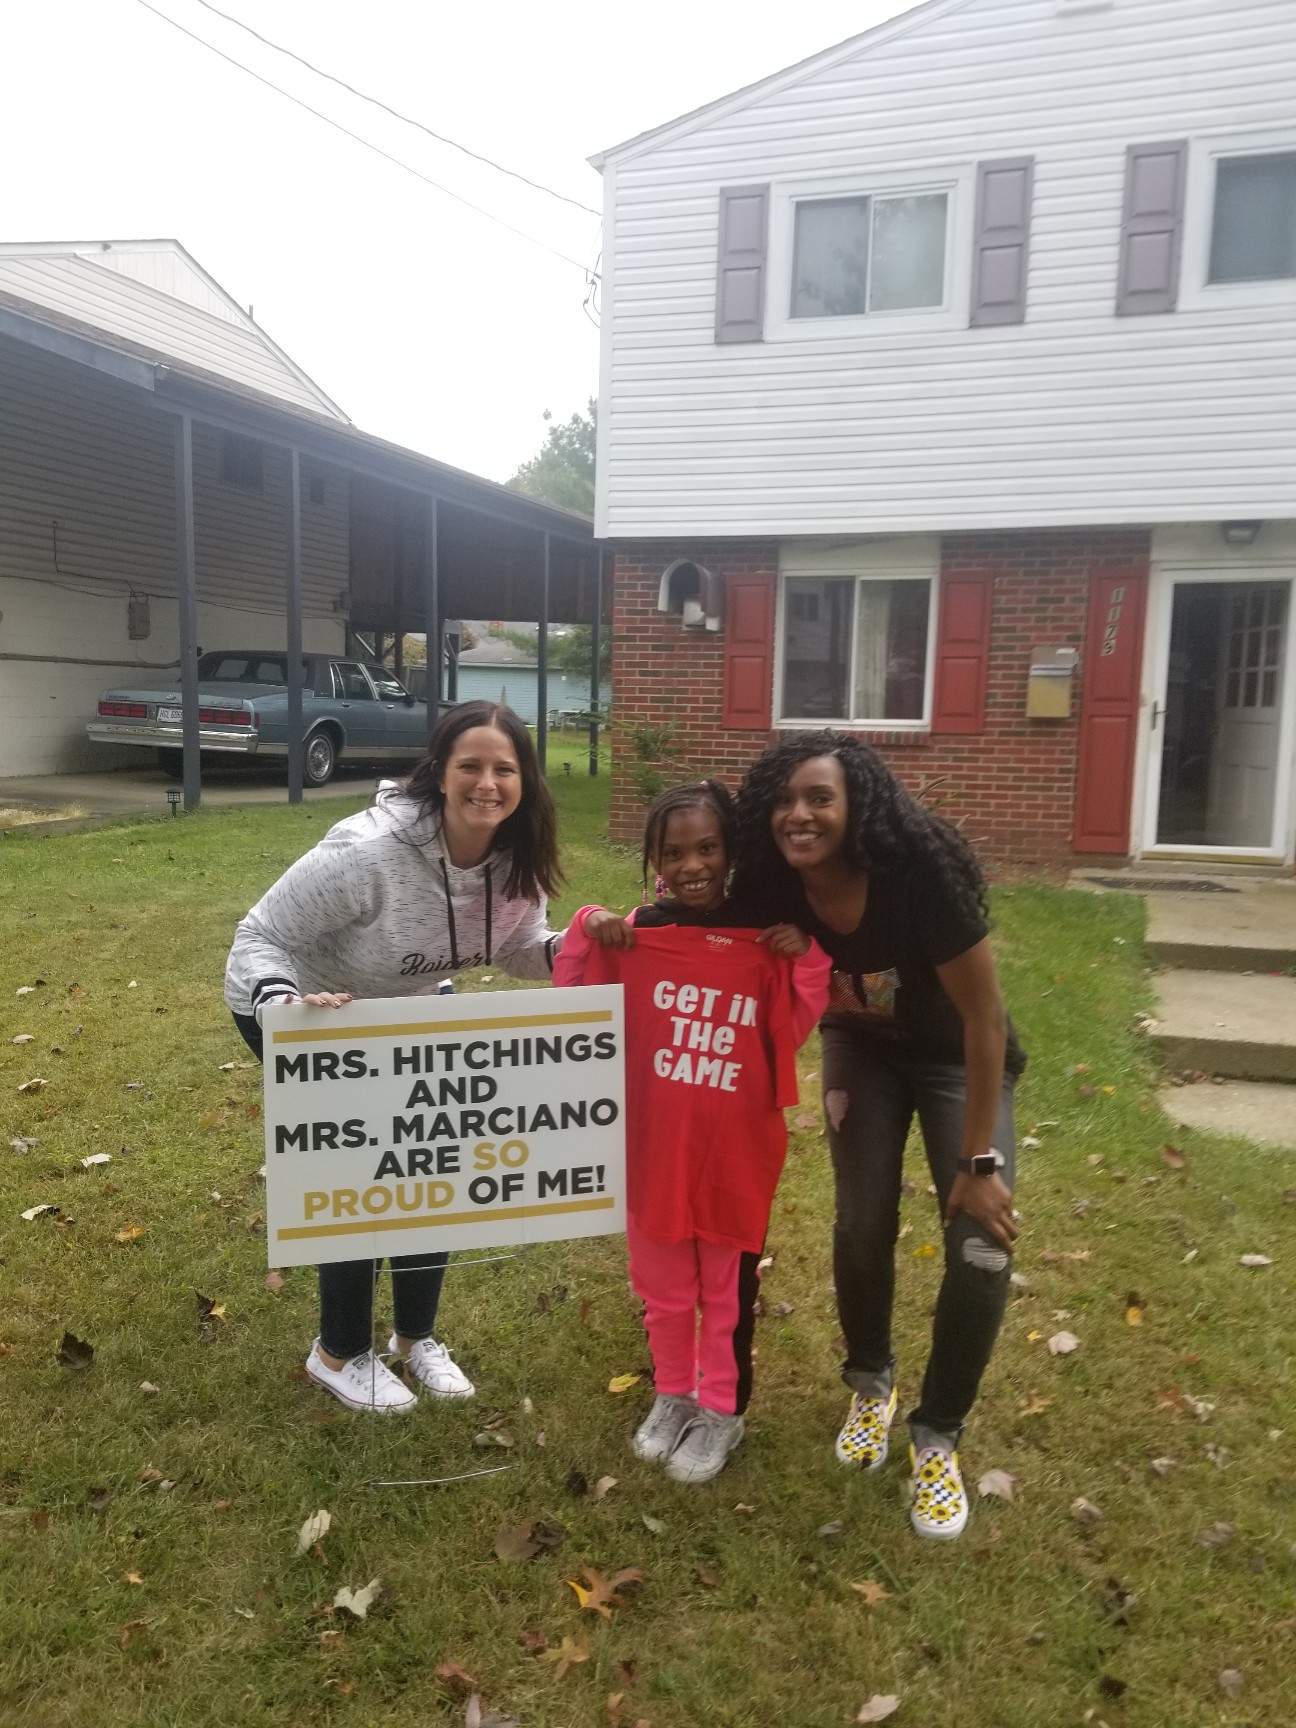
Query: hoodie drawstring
(450, 917)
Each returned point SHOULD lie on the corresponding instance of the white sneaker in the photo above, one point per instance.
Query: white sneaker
(658, 1433)
(363, 1383)
(704, 1446)
(432, 1365)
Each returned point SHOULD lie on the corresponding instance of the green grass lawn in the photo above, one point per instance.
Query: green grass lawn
(181, 1601)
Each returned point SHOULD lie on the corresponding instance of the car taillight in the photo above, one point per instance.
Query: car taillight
(125, 710)
(224, 717)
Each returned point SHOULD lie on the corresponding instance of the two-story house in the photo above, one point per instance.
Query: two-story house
(949, 396)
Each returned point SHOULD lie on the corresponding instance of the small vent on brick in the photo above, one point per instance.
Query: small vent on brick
(1164, 884)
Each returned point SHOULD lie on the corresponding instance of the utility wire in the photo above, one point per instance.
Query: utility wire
(395, 113)
(368, 144)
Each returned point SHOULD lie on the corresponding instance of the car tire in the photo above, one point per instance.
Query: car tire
(319, 759)
(171, 762)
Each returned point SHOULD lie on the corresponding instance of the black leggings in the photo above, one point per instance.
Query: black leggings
(347, 1286)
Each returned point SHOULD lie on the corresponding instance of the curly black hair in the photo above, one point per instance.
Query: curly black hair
(711, 795)
(887, 829)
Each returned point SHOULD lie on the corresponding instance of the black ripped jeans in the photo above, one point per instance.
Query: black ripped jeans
(871, 1094)
(347, 1286)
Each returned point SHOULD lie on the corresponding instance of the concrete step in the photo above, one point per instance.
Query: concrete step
(1216, 922)
(1224, 1023)
(1251, 1109)
(1250, 931)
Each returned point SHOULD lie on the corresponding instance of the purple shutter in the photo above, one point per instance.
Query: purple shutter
(1001, 241)
(740, 264)
(1152, 227)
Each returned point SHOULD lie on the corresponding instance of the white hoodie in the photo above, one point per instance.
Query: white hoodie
(378, 909)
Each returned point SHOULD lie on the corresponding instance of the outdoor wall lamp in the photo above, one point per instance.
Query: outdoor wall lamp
(1239, 533)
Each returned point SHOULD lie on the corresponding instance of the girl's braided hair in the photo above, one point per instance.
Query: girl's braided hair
(710, 795)
(887, 828)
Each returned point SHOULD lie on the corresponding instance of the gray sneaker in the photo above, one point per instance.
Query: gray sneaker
(704, 1447)
(661, 1428)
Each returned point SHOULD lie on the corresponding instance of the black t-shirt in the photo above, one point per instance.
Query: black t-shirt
(884, 983)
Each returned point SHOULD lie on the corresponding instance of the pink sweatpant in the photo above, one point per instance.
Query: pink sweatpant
(675, 1280)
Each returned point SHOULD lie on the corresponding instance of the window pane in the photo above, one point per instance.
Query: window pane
(908, 252)
(355, 686)
(388, 687)
(1254, 234)
(891, 650)
(830, 257)
(816, 649)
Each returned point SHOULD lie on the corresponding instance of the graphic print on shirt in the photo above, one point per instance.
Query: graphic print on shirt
(710, 1064)
(869, 995)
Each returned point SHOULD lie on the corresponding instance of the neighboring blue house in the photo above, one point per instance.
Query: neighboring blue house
(494, 665)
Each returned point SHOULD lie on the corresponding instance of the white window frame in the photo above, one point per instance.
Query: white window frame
(845, 573)
(956, 180)
(1196, 292)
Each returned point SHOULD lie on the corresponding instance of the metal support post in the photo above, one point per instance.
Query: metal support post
(187, 598)
(293, 580)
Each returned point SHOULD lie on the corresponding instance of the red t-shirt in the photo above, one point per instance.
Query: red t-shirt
(710, 1063)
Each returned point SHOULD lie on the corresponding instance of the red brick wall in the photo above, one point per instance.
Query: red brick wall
(1013, 784)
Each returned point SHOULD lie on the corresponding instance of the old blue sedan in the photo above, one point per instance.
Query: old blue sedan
(347, 707)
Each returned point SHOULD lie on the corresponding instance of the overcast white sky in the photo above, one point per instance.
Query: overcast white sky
(426, 322)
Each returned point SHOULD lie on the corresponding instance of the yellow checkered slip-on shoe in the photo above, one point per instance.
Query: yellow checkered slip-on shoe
(863, 1438)
(939, 1506)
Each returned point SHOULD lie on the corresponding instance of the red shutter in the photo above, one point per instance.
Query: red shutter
(748, 651)
(1109, 711)
(962, 653)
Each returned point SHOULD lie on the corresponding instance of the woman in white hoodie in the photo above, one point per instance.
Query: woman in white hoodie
(448, 870)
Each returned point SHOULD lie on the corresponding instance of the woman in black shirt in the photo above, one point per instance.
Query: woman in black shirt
(830, 840)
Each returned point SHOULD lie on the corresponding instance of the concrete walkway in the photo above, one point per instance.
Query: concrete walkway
(1226, 997)
(143, 791)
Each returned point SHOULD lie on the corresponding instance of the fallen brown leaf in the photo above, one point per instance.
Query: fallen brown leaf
(457, 1678)
(878, 1708)
(999, 1484)
(533, 1642)
(598, 1595)
(570, 1652)
(131, 1233)
(872, 1592)
(707, 1576)
(1173, 1158)
(274, 1282)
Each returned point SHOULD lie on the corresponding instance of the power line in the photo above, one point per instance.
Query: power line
(368, 144)
(395, 113)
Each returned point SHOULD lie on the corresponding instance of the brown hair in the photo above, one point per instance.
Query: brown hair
(530, 834)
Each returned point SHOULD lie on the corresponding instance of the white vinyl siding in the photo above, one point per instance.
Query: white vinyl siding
(1074, 417)
(78, 449)
(107, 303)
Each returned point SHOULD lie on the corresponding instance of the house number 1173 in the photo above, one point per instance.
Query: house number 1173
(1113, 621)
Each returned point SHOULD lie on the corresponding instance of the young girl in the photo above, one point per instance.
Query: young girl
(828, 836)
(713, 1025)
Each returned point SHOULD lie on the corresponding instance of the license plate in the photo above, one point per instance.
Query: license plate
(172, 714)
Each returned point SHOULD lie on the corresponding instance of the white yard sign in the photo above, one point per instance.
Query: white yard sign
(401, 1125)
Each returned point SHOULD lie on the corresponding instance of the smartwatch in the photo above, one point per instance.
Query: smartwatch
(984, 1164)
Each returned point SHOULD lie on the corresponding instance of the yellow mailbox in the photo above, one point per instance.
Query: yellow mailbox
(1048, 690)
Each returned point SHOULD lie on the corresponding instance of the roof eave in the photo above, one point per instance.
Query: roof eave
(747, 93)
